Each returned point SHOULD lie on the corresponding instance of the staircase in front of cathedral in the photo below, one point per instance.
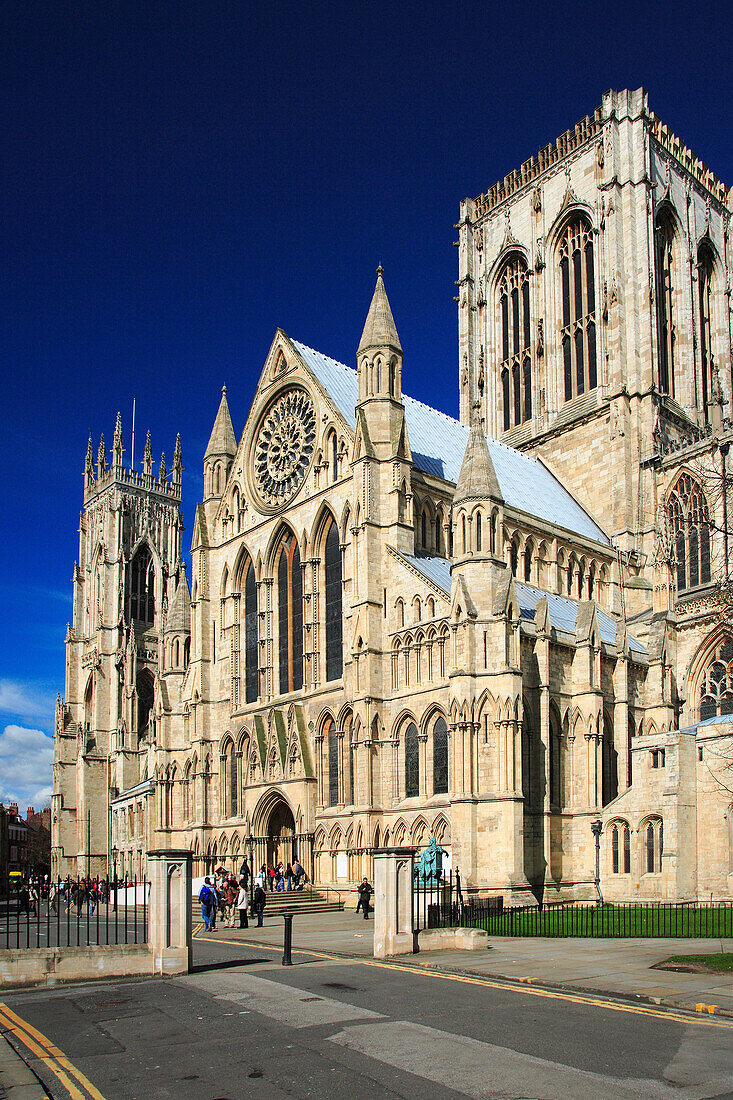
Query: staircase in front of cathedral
(310, 899)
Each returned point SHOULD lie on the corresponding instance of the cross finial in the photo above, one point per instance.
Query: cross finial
(380, 270)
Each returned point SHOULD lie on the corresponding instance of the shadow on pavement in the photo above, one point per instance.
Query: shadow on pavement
(199, 968)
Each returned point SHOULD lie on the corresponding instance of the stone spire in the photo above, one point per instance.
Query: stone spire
(222, 440)
(477, 479)
(177, 462)
(101, 457)
(89, 464)
(117, 443)
(178, 620)
(380, 330)
(148, 456)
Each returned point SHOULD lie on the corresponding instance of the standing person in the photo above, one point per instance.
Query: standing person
(245, 873)
(232, 894)
(299, 872)
(242, 903)
(365, 893)
(279, 877)
(24, 899)
(208, 904)
(258, 904)
(289, 877)
(271, 876)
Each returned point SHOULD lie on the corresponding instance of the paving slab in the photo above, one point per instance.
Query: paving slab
(17, 1081)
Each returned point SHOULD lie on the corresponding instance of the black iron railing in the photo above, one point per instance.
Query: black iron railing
(73, 912)
(674, 920)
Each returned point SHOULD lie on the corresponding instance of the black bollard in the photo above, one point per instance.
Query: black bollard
(288, 941)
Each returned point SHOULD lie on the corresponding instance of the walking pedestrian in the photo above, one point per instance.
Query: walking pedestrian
(365, 892)
(258, 904)
(208, 904)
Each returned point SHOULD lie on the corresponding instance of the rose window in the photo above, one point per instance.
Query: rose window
(284, 447)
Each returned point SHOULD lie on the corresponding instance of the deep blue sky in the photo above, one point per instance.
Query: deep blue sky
(179, 179)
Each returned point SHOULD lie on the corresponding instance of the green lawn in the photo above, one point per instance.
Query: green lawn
(721, 960)
(608, 920)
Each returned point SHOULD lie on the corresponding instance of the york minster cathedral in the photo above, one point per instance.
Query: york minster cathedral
(495, 631)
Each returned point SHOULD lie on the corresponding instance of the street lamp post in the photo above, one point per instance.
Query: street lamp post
(114, 872)
(596, 828)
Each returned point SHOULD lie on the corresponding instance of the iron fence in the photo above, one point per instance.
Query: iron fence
(673, 920)
(73, 912)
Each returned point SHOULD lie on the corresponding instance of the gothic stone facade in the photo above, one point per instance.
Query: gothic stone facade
(398, 627)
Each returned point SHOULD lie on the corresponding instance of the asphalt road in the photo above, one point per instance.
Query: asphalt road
(241, 1025)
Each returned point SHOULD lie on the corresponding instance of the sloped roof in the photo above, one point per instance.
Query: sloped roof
(563, 610)
(438, 444)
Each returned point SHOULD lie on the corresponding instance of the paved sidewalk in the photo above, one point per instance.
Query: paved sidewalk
(617, 967)
(17, 1082)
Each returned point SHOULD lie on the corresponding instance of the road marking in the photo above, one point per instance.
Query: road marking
(504, 984)
(49, 1054)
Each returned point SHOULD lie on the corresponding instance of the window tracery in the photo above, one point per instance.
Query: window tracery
(704, 282)
(516, 359)
(688, 522)
(290, 615)
(578, 332)
(664, 234)
(716, 686)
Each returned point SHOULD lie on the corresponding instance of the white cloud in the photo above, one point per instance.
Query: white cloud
(22, 700)
(26, 756)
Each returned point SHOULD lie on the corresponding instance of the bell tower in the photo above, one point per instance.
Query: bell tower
(129, 563)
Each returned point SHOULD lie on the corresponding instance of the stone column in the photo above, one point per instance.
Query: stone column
(393, 902)
(171, 924)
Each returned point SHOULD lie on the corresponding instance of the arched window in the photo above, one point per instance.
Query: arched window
(704, 282)
(528, 552)
(514, 557)
(577, 279)
(186, 801)
(351, 748)
(438, 533)
(233, 781)
(516, 360)
(653, 846)
(620, 848)
(424, 529)
(251, 648)
(440, 756)
(333, 761)
(145, 693)
(412, 762)
(664, 233)
(334, 456)
(478, 532)
(333, 594)
(464, 546)
(688, 522)
(290, 615)
(142, 586)
(716, 686)
(609, 761)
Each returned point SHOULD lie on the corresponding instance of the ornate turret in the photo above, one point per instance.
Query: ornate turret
(220, 451)
(148, 456)
(477, 502)
(101, 458)
(177, 463)
(89, 466)
(379, 355)
(117, 447)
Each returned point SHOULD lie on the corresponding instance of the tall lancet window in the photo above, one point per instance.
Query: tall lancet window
(578, 292)
(704, 282)
(251, 673)
(290, 615)
(142, 586)
(516, 360)
(688, 525)
(665, 271)
(333, 593)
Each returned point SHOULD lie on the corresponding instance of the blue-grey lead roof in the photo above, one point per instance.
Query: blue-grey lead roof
(438, 444)
(563, 610)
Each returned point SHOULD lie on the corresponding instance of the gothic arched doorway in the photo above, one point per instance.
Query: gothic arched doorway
(281, 840)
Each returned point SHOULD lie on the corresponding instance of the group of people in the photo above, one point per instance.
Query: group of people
(64, 894)
(223, 895)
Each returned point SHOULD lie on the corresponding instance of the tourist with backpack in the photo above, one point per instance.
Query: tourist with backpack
(258, 904)
(208, 900)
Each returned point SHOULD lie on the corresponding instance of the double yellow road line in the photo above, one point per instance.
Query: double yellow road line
(76, 1084)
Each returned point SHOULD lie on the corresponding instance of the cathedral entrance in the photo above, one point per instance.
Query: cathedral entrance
(281, 840)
